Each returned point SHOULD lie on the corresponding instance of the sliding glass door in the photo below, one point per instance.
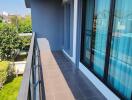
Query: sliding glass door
(120, 68)
(107, 43)
(101, 22)
(87, 30)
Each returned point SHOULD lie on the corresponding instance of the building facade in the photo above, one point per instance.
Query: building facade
(95, 34)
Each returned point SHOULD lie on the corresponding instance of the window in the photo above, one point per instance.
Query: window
(112, 20)
(120, 68)
(101, 18)
(87, 30)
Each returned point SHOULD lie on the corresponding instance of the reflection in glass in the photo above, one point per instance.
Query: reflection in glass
(88, 30)
(101, 22)
(120, 71)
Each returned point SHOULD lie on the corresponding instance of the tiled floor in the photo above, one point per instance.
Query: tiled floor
(81, 87)
(62, 81)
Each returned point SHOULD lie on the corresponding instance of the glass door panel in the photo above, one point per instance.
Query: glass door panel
(87, 31)
(120, 70)
(101, 22)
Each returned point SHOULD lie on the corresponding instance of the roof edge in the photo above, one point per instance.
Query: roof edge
(28, 3)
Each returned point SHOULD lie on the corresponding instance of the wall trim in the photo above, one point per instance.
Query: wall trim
(71, 58)
(98, 84)
(75, 29)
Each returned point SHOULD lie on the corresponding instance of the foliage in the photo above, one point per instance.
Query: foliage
(4, 67)
(2, 25)
(23, 24)
(9, 42)
(13, 19)
(11, 89)
(1, 19)
(25, 41)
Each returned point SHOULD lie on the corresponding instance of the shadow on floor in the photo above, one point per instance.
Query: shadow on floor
(80, 86)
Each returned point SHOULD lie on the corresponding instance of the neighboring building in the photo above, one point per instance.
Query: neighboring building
(11, 18)
(95, 34)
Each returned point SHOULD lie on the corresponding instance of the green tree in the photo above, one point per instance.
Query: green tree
(9, 42)
(24, 25)
(1, 19)
(25, 42)
(13, 19)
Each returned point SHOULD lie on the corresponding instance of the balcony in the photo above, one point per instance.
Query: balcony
(52, 76)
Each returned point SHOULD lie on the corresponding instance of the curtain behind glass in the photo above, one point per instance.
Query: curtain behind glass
(88, 30)
(120, 71)
(101, 16)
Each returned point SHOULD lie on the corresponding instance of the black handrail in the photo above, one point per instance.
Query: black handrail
(32, 83)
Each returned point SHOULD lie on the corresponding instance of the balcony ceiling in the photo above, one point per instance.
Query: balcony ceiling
(28, 2)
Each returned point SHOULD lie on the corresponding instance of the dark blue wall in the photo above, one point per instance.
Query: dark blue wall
(68, 27)
(48, 19)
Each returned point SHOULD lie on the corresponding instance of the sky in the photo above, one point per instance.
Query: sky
(14, 7)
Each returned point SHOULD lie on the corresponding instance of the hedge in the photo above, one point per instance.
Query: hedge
(4, 67)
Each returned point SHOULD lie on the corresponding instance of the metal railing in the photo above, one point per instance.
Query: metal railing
(32, 84)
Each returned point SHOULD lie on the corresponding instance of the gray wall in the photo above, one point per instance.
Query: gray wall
(47, 19)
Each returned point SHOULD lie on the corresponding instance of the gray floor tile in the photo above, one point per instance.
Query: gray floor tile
(80, 86)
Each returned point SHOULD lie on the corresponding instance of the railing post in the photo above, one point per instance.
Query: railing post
(38, 89)
(31, 87)
(39, 72)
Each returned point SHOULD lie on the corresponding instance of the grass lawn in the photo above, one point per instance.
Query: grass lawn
(11, 89)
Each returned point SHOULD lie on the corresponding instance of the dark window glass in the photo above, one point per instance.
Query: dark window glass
(95, 32)
(120, 70)
(87, 30)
